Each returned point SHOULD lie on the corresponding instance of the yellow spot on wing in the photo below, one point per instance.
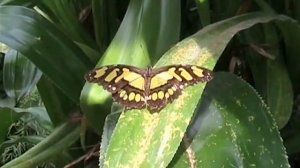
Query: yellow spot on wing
(124, 73)
(122, 93)
(100, 72)
(174, 74)
(160, 94)
(154, 96)
(125, 97)
(131, 96)
(171, 92)
(137, 97)
(138, 83)
(160, 79)
(167, 95)
(134, 79)
(130, 76)
(111, 75)
(185, 74)
(197, 71)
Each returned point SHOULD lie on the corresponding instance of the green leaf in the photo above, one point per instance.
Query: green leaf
(19, 75)
(105, 22)
(291, 35)
(58, 105)
(48, 48)
(271, 76)
(149, 28)
(30, 3)
(204, 12)
(233, 128)
(90, 52)
(66, 16)
(142, 139)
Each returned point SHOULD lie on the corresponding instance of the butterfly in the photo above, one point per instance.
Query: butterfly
(136, 88)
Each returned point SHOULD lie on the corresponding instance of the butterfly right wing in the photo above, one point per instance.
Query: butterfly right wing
(126, 83)
(167, 83)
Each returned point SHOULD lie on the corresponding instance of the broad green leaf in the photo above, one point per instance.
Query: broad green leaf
(58, 105)
(204, 12)
(66, 17)
(105, 22)
(48, 48)
(291, 35)
(109, 126)
(93, 54)
(61, 138)
(30, 3)
(270, 75)
(233, 128)
(19, 75)
(146, 140)
(148, 29)
(290, 31)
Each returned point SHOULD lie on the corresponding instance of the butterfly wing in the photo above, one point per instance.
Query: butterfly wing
(166, 83)
(126, 83)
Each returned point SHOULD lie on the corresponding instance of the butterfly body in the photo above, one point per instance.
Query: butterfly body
(136, 88)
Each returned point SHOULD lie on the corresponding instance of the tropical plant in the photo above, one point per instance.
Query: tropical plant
(244, 117)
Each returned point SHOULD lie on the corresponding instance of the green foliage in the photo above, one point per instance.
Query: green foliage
(224, 128)
(170, 124)
(17, 85)
(229, 121)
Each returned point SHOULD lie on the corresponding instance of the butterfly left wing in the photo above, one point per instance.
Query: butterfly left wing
(166, 83)
(126, 83)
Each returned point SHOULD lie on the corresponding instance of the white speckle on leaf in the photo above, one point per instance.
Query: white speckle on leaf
(259, 129)
(252, 165)
(251, 118)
